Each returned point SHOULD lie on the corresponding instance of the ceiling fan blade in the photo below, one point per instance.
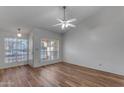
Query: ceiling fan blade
(58, 24)
(60, 20)
(71, 20)
(66, 25)
(71, 25)
(63, 26)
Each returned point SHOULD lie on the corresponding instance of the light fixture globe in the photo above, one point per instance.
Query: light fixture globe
(19, 33)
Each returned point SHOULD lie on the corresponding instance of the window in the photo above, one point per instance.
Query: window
(49, 49)
(15, 50)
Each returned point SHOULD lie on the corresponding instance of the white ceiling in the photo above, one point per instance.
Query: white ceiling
(42, 17)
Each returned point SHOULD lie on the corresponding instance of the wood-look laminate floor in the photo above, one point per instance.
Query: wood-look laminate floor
(56, 75)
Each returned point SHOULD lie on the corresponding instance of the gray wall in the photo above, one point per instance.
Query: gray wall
(4, 34)
(98, 42)
(38, 35)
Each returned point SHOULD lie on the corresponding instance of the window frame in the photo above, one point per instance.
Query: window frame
(20, 52)
(57, 50)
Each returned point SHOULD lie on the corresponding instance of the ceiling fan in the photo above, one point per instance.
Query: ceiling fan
(64, 23)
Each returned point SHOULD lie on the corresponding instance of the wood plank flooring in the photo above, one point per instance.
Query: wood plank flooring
(56, 75)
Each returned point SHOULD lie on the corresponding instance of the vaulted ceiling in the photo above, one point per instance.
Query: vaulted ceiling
(42, 17)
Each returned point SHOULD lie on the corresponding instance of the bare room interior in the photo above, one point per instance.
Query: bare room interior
(61, 46)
